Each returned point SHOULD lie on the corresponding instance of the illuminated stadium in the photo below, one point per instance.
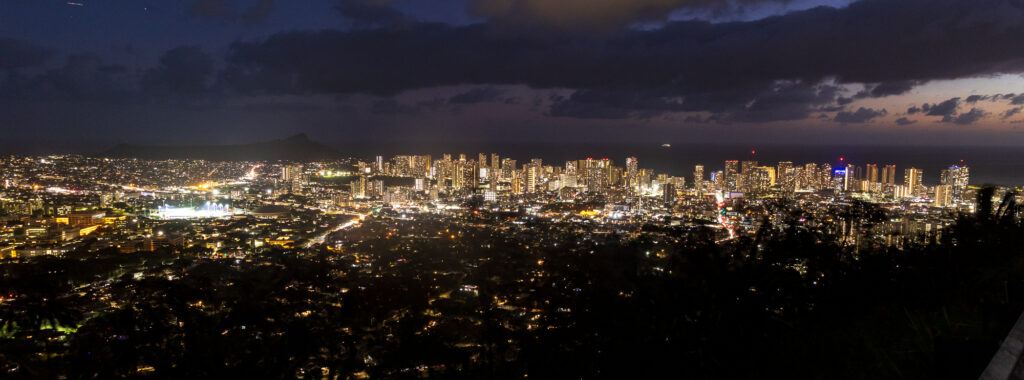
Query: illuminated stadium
(207, 210)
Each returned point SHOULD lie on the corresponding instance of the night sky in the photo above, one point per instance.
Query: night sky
(95, 72)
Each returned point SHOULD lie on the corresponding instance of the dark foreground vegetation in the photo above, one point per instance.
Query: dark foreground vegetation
(447, 298)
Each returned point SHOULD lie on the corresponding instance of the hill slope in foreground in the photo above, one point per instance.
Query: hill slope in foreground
(294, 148)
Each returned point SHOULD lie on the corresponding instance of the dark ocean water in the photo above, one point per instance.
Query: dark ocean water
(1002, 165)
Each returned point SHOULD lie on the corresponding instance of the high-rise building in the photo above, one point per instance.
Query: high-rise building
(810, 177)
(508, 166)
(850, 177)
(889, 175)
(290, 172)
(943, 195)
(839, 179)
(698, 177)
(358, 187)
(872, 173)
(570, 167)
(957, 178)
(531, 178)
(825, 176)
(632, 174)
(746, 170)
(668, 193)
(760, 179)
(784, 174)
(912, 181)
(746, 167)
(732, 175)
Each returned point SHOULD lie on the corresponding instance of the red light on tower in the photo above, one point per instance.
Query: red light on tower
(753, 151)
(842, 159)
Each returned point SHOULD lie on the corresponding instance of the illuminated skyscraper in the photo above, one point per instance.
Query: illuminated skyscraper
(784, 175)
(698, 177)
(508, 166)
(849, 178)
(912, 181)
(732, 175)
(889, 175)
(746, 169)
(760, 179)
(632, 174)
(943, 195)
(531, 178)
(290, 172)
(825, 176)
(957, 178)
(668, 193)
(810, 177)
(358, 187)
(839, 179)
(872, 173)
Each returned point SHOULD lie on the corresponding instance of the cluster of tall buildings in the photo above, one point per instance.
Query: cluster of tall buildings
(492, 175)
(751, 177)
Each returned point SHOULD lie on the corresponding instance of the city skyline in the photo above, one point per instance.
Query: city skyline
(512, 189)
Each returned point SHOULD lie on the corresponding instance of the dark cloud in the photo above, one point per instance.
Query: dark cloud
(1016, 100)
(225, 10)
(904, 121)
(83, 77)
(477, 95)
(432, 104)
(784, 102)
(185, 70)
(946, 109)
(891, 88)
(391, 106)
(976, 98)
(862, 115)
(593, 14)
(913, 110)
(604, 104)
(739, 60)
(258, 12)
(969, 117)
(277, 106)
(695, 119)
(1011, 112)
(371, 13)
(15, 54)
(212, 10)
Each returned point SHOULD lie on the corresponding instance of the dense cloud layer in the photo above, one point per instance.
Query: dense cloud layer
(889, 44)
(225, 10)
(589, 13)
(790, 67)
(16, 54)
